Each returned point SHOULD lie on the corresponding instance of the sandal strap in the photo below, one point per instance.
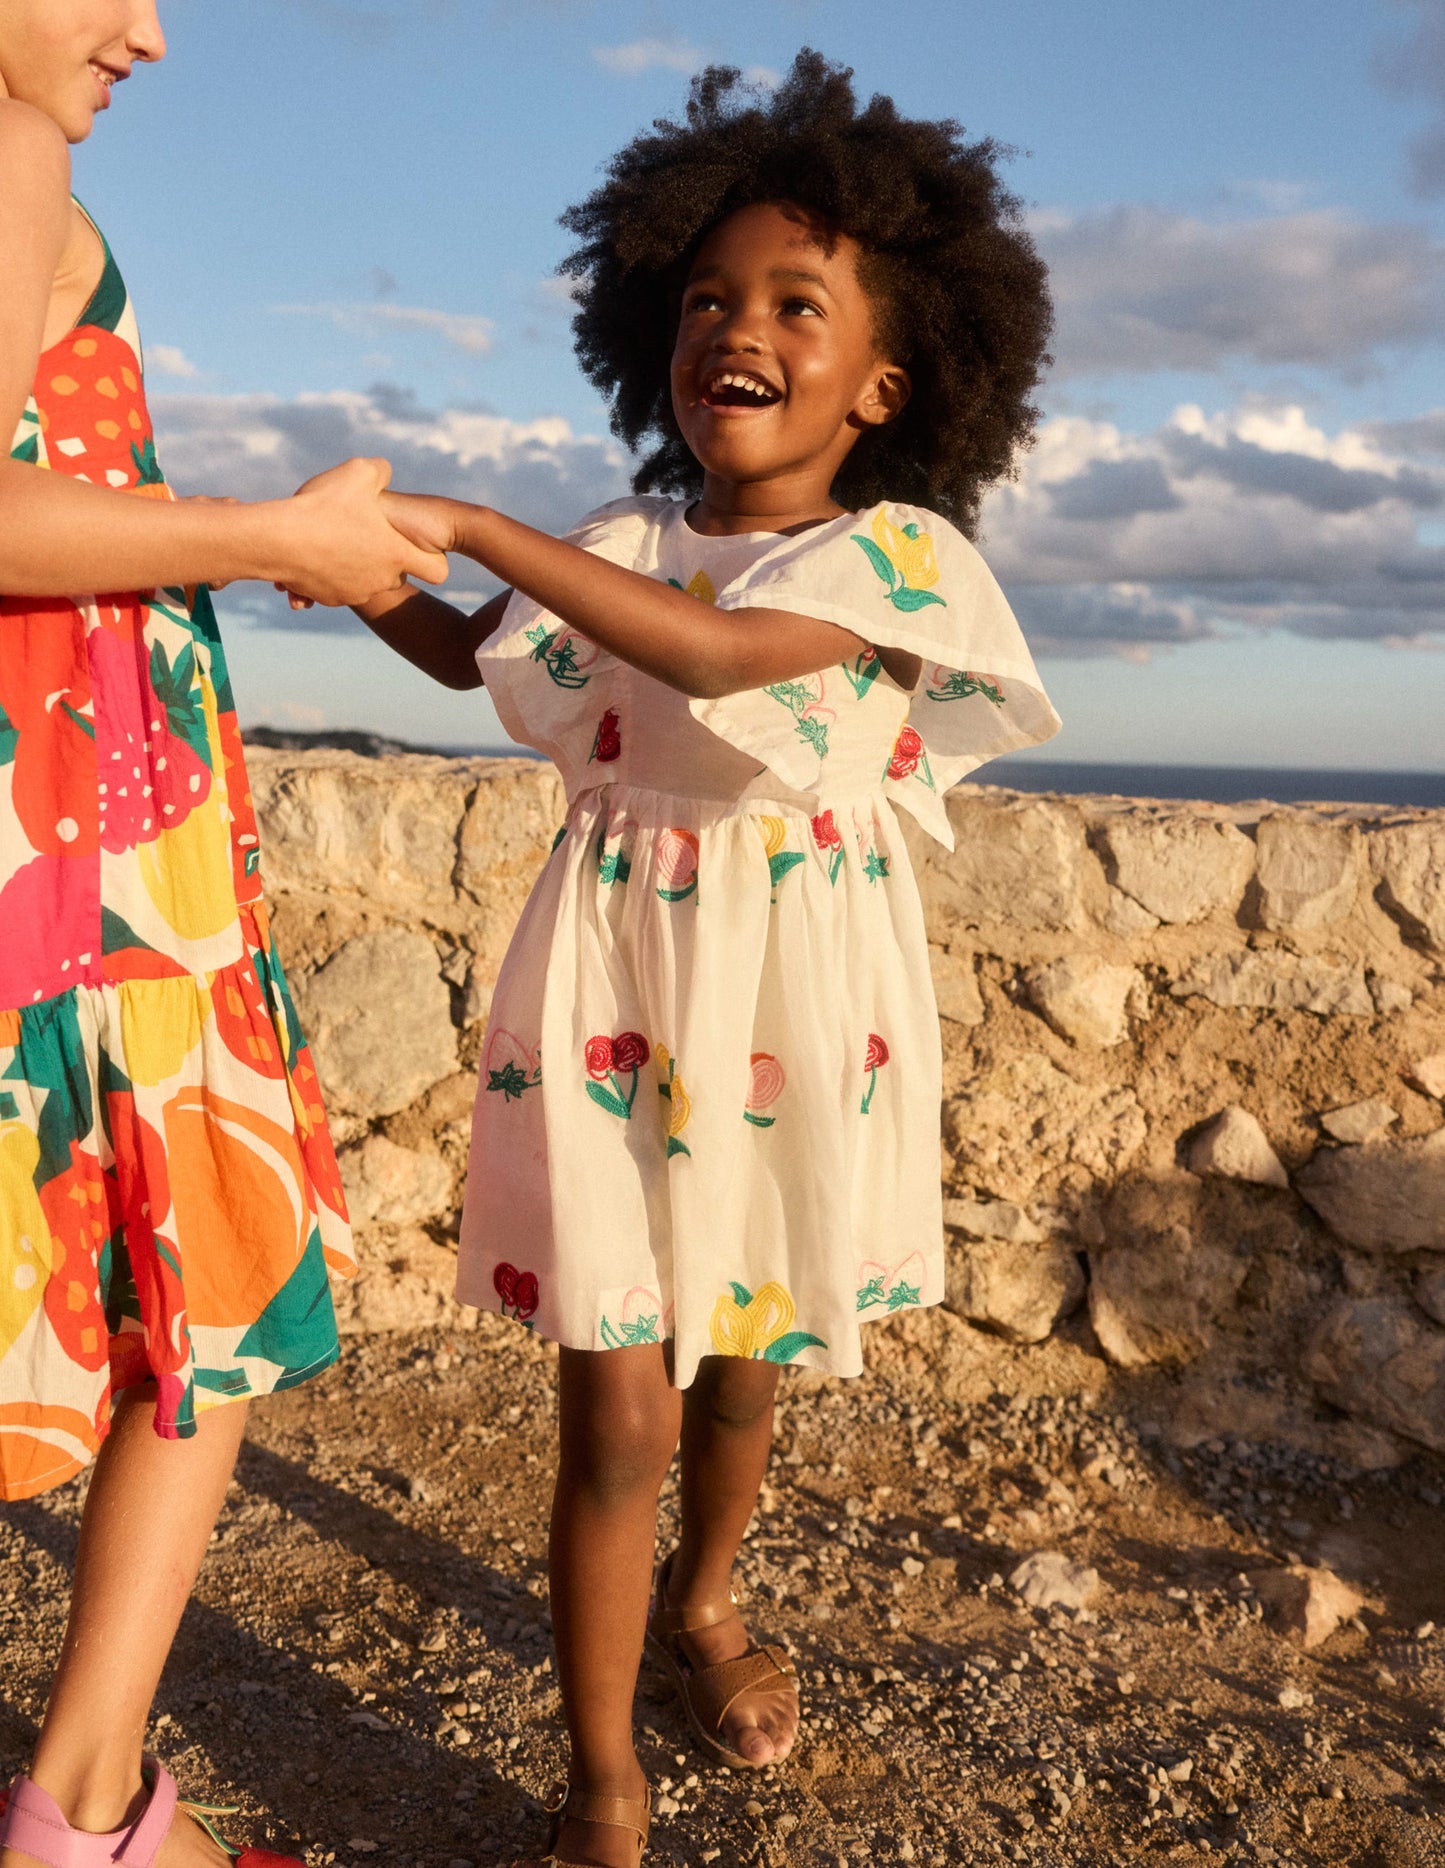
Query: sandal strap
(667, 1622)
(634, 1813)
(35, 1825)
(713, 1689)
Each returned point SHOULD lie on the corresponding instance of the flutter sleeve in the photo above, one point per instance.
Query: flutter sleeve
(902, 577)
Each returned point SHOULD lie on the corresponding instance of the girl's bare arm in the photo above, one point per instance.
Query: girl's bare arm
(434, 636)
(60, 536)
(690, 645)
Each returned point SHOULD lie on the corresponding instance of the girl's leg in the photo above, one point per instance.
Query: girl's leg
(727, 1434)
(619, 1419)
(148, 1518)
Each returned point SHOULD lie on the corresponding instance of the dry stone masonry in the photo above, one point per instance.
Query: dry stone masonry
(1194, 1067)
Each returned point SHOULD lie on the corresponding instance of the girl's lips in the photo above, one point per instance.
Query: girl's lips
(104, 80)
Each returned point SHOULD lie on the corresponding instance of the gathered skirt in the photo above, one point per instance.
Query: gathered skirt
(169, 1206)
(708, 1108)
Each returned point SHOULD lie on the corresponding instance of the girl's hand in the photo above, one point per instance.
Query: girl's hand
(428, 522)
(337, 545)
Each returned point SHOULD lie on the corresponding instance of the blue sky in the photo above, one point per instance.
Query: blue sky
(340, 225)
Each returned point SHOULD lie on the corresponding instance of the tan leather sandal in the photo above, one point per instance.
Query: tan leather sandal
(708, 1692)
(634, 1813)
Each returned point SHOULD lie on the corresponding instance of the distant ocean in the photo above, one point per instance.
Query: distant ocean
(1217, 784)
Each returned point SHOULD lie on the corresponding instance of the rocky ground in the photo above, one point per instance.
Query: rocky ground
(368, 1657)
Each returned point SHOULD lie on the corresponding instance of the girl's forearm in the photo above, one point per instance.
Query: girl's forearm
(60, 537)
(689, 645)
(432, 635)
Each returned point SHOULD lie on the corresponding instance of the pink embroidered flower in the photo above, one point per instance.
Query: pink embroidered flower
(676, 856)
(907, 752)
(598, 1056)
(607, 746)
(630, 1050)
(877, 1052)
(765, 1086)
(826, 833)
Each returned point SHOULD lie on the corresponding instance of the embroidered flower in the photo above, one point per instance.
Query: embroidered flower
(907, 751)
(565, 657)
(607, 745)
(676, 857)
(638, 1320)
(829, 838)
(765, 1086)
(804, 700)
(894, 1289)
(946, 684)
(678, 1110)
(511, 1068)
(519, 1291)
(875, 1060)
(904, 557)
(608, 1060)
(759, 1326)
(598, 1055)
(630, 1051)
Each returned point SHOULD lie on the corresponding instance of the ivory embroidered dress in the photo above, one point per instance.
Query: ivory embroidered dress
(169, 1198)
(709, 1099)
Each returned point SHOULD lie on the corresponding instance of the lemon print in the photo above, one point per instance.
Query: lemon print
(187, 872)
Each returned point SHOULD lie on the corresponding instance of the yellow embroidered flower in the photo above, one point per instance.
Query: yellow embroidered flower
(747, 1329)
(702, 587)
(774, 833)
(913, 557)
(680, 1113)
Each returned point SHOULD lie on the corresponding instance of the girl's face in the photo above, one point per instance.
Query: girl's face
(63, 56)
(776, 367)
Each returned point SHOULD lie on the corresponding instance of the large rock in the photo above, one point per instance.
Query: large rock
(1387, 1196)
(1308, 871)
(379, 1018)
(1085, 1000)
(1029, 1119)
(1019, 1291)
(1378, 1358)
(1430, 1294)
(1235, 1146)
(955, 986)
(1018, 861)
(1303, 1603)
(1167, 1270)
(1276, 981)
(390, 1186)
(406, 1282)
(1409, 862)
(1181, 867)
(992, 1219)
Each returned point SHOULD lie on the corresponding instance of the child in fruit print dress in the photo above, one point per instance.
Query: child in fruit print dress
(707, 1129)
(169, 1200)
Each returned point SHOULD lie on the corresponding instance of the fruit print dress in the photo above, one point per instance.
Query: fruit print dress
(709, 1099)
(169, 1197)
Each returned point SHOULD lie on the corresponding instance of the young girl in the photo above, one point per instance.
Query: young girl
(169, 1201)
(706, 1139)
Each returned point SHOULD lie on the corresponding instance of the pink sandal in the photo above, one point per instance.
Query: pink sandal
(31, 1822)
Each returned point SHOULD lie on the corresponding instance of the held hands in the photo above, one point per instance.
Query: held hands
(341, 547)
(429, 523)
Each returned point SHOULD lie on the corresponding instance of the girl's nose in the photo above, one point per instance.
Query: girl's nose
(145, 39)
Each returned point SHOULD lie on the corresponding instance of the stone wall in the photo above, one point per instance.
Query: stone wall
(1194, 1066)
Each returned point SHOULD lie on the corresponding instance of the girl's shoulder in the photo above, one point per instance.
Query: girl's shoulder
(622, 522)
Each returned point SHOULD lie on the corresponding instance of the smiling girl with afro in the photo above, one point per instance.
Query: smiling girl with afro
(706, 1139)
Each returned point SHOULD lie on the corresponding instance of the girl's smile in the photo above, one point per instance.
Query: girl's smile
(65, 57)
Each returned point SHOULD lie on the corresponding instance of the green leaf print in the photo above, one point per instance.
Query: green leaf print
(961, 685)
(907, 598)
(608, 1100)
(28, 451)
(878, 558)
(178, 691)
(904, 1294)
(871, 1293)
(742, 1296)
(786, 1347)
(779, 865)
(295, 1332)
(863, 671)
(50, 1059)
(875, 867)
(9, 739)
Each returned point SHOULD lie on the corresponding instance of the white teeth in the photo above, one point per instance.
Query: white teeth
(729, 379)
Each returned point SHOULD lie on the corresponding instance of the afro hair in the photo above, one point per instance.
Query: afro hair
(961, 294)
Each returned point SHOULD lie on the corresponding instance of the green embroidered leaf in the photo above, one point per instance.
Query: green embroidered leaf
(779, 865)
(675, 1147)
(759, 1122)
(906, 598)
(879, 559)
(862, 672)
(678, 895)
(904, 1294)
(608, 1100)
(871, 1293)
(786, 1347)
(741, 1294)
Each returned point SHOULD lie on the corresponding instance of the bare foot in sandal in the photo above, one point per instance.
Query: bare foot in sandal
(742, 1699)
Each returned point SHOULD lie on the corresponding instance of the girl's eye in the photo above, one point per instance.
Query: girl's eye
(702, 301)
(802, 306)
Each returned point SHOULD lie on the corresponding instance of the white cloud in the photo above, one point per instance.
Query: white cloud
(1137, 288)
(167, 360)
(640, 55)
(463, 330)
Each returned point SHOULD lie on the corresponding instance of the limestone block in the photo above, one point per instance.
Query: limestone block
(1389, 995)
(1235, 1146)
(1387, 1196)
(955, 986)
(991, 1219)
(1428, 1074)
(1126, 918)
(1409, 862)
(379, 1017)
(1164, 1275)
(1378, 1359)
(1304, 1603)
(1430, 1294)
(390, 1186)
(1019, 1291)
(1047, 1579)
(1028, 1119)
(405, 1282)
(1180, 867)
(1308, 871)
(1087, 1001)
(337, 823)
(1359, 1122)
(1275, 981)
(1018, 861)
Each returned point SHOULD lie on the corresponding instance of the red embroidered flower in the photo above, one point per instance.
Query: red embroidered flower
(826, 833)
(877, 1052)
(526, 1296)
(630, 1051)
(599, 1057)
(504, 1278)
(608, 744)
(907, 751)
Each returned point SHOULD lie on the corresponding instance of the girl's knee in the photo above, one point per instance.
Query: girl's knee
(619, 1426)
(734, 1392)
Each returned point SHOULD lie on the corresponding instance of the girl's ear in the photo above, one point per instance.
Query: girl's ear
(885, 395)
